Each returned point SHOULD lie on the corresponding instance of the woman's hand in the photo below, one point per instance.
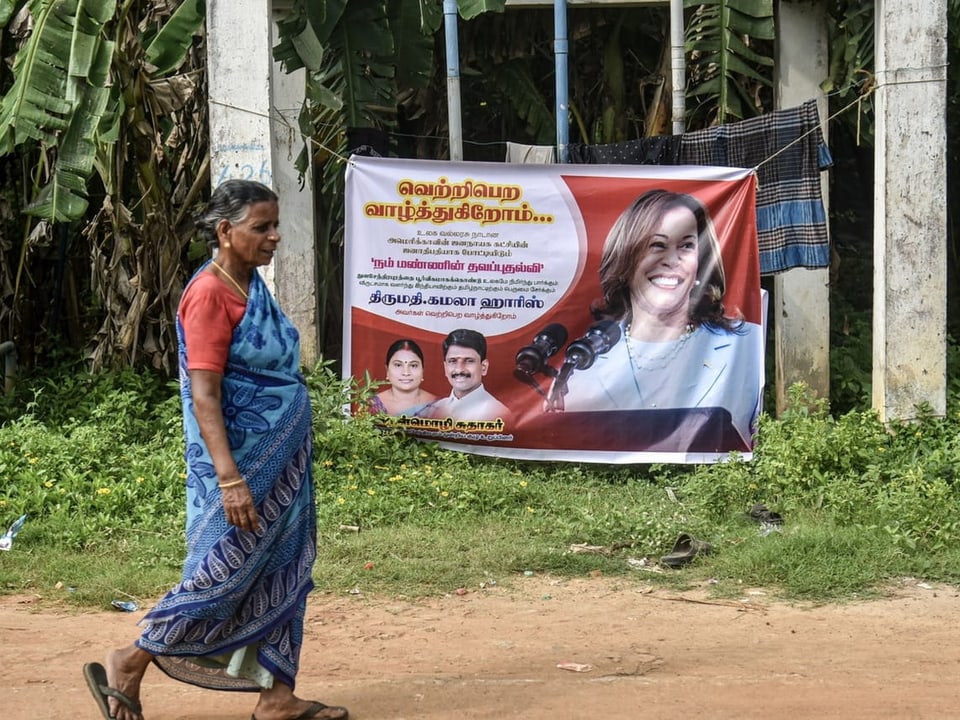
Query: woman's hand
(238, 506)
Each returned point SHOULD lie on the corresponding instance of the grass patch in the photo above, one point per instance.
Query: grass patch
(140, 568)
(419, 561)
(807, 560)
(864, 504)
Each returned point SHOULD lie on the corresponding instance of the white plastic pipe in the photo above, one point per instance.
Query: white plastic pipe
(454, 121)
(561, 60)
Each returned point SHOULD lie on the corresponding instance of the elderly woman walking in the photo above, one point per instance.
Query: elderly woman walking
(235, 619)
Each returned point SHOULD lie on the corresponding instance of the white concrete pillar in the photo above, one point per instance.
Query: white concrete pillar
(801, 298)
(296, 261)
(253, 106)
(910, 219)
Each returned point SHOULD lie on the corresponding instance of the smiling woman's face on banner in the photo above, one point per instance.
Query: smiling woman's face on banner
(405, 370)
(667, 268)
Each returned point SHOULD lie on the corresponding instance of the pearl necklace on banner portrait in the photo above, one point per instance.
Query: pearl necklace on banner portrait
(642, 359)
(650, 362)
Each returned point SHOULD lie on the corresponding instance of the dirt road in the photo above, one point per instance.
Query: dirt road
(494, 653)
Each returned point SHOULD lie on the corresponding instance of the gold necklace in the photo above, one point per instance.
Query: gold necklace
(230, 278)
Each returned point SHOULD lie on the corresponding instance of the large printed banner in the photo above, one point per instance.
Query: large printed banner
(557, 312)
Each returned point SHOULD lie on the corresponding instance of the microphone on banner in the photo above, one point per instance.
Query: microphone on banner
(599, 339)
(581, 354)
(546, 343)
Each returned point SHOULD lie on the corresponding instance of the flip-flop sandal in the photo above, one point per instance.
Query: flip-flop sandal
(96, 677)
(336, 712)
(685, 549)
(762, 514)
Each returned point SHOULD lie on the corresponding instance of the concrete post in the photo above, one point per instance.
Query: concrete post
(296, 261)
(253, 106)
(801, 298)
(910, 224)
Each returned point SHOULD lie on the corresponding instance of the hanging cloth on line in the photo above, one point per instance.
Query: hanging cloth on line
(534, 154)
(657, 150)
(787, 149)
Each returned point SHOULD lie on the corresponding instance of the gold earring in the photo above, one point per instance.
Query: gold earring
(225, 244)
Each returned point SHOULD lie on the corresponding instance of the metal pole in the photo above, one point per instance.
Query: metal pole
(453, 79)
(561, 53)
(677, 67)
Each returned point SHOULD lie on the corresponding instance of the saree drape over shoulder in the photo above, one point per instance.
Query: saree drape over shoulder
(236, 617)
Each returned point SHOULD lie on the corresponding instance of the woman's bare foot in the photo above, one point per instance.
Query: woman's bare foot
(125, 669)
(279, 703)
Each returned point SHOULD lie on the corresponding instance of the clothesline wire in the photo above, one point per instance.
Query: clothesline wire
(816, 128)
(867, 86)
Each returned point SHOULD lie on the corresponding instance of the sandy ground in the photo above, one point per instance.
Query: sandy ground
(635, 652)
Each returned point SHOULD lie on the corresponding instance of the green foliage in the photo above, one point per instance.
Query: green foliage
(851, 470)
(169, 47)
(515, 81)
(812, 559)
(35, 107)
(727, 42)
(6, 10)
(852, 65)
(373, 478)
(469, 9)
(413, 28)
(851, 360)
(127, 402)
(103, 157)
(96, 462)
(58, 98)
(93, 456)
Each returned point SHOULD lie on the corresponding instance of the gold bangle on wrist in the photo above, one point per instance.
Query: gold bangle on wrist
(231, 484)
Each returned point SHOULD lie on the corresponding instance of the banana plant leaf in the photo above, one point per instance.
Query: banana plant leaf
(64, 197)
(58, 99)
(365, 44)
(469, 9)
(324, 15)
(519, 89)
(723, 68)
(35, 107)
(6, 11)
(413, 25)
(168, 49)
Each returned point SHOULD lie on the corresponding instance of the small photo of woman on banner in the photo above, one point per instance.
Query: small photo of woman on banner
(404, 394)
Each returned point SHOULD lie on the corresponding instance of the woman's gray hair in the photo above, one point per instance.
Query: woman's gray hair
(230, 201)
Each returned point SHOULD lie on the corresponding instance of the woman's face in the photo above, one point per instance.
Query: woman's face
(405, 370)
(667, 270)
(254, 240)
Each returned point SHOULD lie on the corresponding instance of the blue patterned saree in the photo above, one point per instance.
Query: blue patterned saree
(235, 619)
